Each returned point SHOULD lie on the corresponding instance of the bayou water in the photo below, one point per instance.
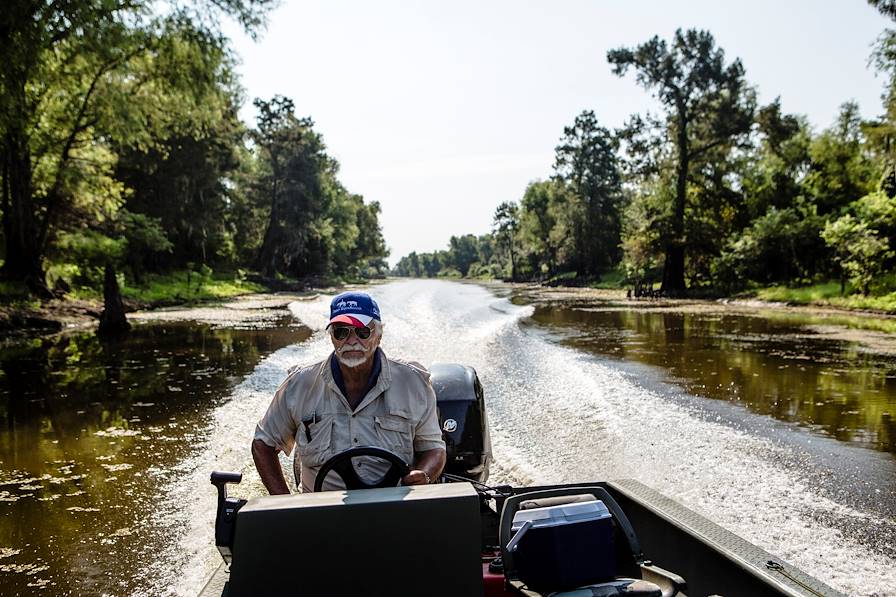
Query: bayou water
(776, 425)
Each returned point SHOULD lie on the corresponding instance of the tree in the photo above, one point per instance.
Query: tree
(780, 246)
(293, 158)
(74, 75)
(505, 226)
(773, 175)
(857, 249)
(841, 169)
(538, 220)
(463, 252)
(186, 183)
(886, 7)
(709, 106)
(586, 159)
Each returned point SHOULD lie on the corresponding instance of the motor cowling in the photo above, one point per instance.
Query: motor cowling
(462, 417)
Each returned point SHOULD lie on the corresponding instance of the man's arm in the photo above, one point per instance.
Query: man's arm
(429, 462)
(269, 469)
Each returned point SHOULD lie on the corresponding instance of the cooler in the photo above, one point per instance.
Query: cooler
(562, 547)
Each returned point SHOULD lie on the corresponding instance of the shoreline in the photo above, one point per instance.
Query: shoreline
(64, 315)
(575, 297)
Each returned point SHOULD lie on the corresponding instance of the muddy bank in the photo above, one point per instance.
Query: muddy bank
(248, 310)
(872, 331)
(64, 315)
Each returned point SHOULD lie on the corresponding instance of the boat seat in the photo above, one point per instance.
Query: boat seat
(652, 580)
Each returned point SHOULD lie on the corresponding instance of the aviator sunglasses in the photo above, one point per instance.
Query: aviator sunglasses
(341, 332)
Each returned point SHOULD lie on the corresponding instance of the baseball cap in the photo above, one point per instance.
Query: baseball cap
(353, 308)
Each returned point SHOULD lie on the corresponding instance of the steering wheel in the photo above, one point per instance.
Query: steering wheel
(341, 464)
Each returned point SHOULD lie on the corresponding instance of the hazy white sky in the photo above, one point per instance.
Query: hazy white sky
(442, 110)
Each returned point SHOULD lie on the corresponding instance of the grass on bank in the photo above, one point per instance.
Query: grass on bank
(611, 280)
(828, 293)
(177, 288)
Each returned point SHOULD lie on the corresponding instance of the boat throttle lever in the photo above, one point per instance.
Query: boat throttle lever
(225, 519)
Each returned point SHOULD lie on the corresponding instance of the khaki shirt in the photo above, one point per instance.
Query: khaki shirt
(398, 413)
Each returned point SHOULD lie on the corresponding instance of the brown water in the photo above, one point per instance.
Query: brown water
(777, 364)
(92, 432)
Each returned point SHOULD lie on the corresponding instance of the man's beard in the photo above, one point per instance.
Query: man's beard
(350, 361)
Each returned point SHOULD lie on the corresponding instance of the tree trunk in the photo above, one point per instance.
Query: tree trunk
(673, 270)
(512, 262)
(113, 320)
(267, 254)
(24, 259)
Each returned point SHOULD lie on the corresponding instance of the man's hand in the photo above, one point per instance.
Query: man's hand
(428, 466)
(416, 477)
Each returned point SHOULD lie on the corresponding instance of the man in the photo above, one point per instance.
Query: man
(355, 397)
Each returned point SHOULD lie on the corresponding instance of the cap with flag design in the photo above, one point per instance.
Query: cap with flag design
(353, 308)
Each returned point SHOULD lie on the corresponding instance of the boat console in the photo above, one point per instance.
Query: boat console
(440, 539)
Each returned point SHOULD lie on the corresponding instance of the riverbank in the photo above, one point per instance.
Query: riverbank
(223, 303)
(872, 331)
(250, 309)
(207, 296)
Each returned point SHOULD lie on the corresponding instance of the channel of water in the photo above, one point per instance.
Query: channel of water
(764, 424)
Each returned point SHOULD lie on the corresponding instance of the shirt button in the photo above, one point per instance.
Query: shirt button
(356, 440)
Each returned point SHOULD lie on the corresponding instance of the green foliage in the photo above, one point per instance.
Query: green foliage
(314, 225)
(857, 250)
(772, 177)
(121, 144)
(646, 222)
(188, 286)
(587, 161)
(505, 229)
(814, 293)
(611, 280)
(829, 294)
(840, 171)
(78, 75)
(784, 244)
(86, 254)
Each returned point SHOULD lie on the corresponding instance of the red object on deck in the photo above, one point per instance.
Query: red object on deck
(493, 583)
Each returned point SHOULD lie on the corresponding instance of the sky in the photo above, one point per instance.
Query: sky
(442, 110)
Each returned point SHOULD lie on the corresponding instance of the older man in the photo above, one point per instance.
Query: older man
(355, 397)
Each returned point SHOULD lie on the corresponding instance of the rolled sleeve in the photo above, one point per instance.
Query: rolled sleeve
(428, 434)
(277, 428)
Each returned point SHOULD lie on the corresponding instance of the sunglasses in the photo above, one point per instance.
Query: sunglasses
(341, 332)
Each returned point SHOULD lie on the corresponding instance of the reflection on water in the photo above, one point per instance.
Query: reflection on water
(91, 431)
(773, 366)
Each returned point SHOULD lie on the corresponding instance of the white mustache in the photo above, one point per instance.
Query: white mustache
(350, 348)
(350, 361)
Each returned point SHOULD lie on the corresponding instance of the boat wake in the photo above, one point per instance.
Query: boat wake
(557, 415)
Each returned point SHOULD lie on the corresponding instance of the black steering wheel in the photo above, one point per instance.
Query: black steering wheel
(341, 464)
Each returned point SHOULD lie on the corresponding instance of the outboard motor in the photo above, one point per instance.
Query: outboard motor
(462, 417)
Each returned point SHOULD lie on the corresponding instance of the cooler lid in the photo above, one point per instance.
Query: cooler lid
(560, 515)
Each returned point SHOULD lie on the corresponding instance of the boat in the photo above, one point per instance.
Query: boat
(466, 537)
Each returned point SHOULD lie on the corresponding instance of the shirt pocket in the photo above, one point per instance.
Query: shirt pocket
(314, 452)
(394, 432)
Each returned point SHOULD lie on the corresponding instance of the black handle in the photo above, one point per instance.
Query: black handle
(225, 520)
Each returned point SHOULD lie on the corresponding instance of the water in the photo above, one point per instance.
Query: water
(94, 436)
(572, 396)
